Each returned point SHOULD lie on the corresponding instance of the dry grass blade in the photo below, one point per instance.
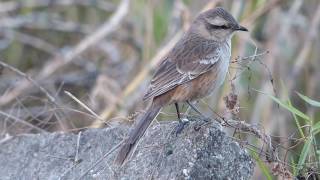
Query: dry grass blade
(85, 107)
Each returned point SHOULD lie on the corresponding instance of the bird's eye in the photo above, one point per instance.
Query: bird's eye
(223, 27)
(212, 26)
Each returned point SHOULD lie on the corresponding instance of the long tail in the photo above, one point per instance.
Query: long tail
(137, 133)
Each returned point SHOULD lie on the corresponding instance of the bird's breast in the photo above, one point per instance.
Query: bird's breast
(210, 81)
(224, 64)
(206, 83)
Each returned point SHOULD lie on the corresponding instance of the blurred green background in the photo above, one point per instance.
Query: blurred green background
(50, 42)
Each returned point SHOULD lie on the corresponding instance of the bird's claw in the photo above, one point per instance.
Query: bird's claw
(179, 128)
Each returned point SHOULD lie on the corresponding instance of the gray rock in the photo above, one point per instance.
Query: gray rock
(199, 152)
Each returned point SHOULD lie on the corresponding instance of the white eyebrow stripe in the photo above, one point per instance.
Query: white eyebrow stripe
(217, 21)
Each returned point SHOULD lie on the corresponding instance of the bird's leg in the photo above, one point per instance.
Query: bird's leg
(182, 122)
(177, 109)
(196, 110)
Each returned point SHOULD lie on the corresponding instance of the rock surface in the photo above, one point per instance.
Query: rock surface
(199, 152)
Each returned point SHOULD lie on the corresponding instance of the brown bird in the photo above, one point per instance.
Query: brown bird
(193, 69)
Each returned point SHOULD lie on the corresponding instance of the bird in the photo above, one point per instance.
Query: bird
(194, 68)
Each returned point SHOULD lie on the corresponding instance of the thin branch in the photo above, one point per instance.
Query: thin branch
(22, 121)
(76, 157)
(35, 83)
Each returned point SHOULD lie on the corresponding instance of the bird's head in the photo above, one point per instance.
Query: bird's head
(216, 24)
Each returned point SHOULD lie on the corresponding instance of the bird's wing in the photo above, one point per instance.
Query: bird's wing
(183, 65)
(200, 59)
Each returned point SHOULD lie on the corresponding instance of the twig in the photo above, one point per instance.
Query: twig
(100, 159)
(76, 157)
(22, 121)
(244, 127)
(35, 83)
(252, 57)
(85, 106)
(6, 138)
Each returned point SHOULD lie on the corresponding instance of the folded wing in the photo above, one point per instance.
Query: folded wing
(183, 64)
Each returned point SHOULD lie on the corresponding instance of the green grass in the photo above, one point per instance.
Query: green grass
(309, 152)
(262, 165)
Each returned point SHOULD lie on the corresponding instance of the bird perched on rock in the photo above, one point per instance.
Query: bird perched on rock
(195, 67)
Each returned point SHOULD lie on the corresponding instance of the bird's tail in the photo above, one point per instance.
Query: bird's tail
(136, 133)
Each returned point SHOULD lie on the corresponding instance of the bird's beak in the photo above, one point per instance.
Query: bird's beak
(241, 28)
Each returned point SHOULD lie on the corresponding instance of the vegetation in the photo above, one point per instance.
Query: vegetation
(68, 65)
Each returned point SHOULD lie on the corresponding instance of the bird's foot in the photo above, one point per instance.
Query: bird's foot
(201, 123)
(182, 123)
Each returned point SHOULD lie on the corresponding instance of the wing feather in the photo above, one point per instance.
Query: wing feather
(186, 61)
